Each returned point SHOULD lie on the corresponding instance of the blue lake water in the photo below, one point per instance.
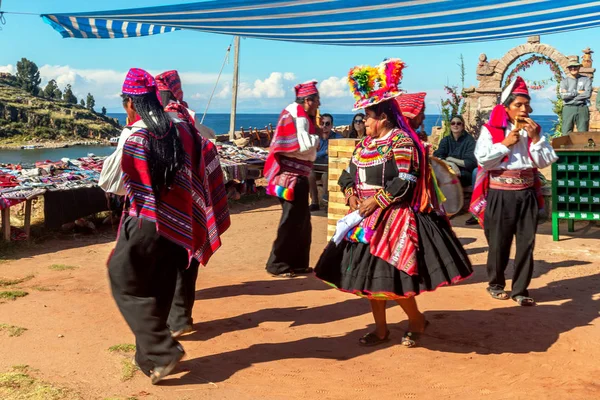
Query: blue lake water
(218, 122)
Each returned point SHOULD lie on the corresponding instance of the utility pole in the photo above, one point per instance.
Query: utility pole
(236, 70)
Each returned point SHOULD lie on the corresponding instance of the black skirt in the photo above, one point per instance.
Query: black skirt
(441, 260)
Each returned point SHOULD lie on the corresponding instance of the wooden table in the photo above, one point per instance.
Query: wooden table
(6, 219)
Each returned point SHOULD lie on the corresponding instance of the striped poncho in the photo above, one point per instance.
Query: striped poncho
(193, 212)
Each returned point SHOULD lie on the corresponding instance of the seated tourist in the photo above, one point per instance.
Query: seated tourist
(357, 128)
(458, 150)
(322, 159)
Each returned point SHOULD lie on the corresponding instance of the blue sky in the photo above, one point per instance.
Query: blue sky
(268, 69)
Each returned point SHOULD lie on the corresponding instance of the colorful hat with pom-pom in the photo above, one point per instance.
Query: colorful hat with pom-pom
(373, 85)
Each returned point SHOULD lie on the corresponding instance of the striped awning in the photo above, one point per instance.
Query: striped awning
(342, 22)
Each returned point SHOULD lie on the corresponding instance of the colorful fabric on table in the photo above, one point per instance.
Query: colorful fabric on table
(184, 213)
(280, 171)
(411, 104)
(138, 82)
(373, 85)
(497, 127)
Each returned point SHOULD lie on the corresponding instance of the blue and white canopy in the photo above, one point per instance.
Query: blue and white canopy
(342, 22)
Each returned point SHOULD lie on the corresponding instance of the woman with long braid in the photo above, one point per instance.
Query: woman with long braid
(165, 225)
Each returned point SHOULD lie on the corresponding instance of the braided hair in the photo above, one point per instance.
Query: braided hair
(166, 156)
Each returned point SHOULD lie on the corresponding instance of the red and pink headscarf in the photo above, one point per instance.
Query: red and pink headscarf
(170, 81)
(306, 89)
(411, 104)
(138, 82)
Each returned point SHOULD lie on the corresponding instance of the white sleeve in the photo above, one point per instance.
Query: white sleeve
(306, 140)
(489, 155)
(542, 153)
(111, 176)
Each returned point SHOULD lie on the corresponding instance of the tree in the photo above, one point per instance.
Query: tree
(28, 76)
(58, 94)
(82, 103)
(68, 95)
(103, 110)
(50, 90)
(90, 102)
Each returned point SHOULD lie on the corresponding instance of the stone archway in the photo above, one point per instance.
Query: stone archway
(481, 100)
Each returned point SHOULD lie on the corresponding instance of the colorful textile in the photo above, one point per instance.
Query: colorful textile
(306, 89)
(170, 81)
(392, 229)
(280, 171)
(373, 85)
(497, 126)
(184, 213)
(411, 104)
(138, 82)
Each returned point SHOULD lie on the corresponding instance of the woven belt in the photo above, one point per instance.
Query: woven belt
(512, 180)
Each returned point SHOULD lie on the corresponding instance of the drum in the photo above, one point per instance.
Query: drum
(449, 184)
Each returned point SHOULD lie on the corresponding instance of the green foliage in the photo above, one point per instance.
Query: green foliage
(18, 384)
(28, 76)
(61, 267)
(12, 282)
(82, 103)
(12, 294)
(103, 110)
(455, 105)
(68, 95)
(90, 102)
(122, 348)
(13, 331)
(51, 91)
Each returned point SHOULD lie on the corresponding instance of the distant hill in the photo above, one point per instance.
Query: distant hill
(28, 119)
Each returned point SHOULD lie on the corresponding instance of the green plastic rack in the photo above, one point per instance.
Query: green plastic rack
(575, 188)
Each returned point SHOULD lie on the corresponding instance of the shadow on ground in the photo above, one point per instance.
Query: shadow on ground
(516, 330)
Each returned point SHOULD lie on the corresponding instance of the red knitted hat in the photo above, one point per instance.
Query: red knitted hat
(411, 104)
(306, 89)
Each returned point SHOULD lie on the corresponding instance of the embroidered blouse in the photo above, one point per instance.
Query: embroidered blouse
(384, 168)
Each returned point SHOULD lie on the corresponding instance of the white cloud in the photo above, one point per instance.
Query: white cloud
(273, 87)
(334, 87)
(8, 68)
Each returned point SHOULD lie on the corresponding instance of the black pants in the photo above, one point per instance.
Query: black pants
(142, 272)
(511, 213)
(291, 249)
(180, 315)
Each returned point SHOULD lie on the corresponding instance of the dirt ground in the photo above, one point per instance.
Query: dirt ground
(261, 337)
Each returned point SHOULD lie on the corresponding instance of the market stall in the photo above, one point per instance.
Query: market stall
(70, 187)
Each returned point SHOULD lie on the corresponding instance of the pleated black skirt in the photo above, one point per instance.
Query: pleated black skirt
(441, 260)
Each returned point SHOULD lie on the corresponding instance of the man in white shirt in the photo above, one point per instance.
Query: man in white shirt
(291, 159)
(507, 194)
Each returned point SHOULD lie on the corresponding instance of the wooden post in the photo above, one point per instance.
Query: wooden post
(28, 219)
(6, 224)
(236, 70)
(340, 152)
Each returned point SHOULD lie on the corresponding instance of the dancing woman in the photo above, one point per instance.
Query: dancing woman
(396, 241)
(165, 225)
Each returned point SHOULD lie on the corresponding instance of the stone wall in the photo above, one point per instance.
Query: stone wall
(340, 152)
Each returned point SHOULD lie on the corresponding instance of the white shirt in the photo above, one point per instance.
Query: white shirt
(308, 143)
(111, 177)
(489, 155)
